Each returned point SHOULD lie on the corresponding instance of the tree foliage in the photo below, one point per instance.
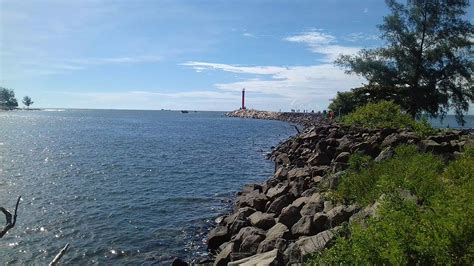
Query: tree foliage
(427, 62)
(27, 101)
(7, 99)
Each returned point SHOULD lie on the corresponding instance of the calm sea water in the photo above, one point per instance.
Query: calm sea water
(124, 187)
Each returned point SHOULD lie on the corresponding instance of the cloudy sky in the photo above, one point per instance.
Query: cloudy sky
(193, 54)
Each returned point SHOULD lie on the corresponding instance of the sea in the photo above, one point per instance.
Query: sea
(124, 187)
(127, 187)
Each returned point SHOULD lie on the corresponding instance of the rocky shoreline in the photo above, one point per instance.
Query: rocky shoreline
(291, 215)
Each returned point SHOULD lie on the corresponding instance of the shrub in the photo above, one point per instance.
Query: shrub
(386, 114)
(437, 228)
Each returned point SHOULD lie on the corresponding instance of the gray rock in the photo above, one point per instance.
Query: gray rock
(312, 244)
(314, 205)
(303, 227)
(238, 224)
(301, 201)
(223, 258)
(297, 172)
(279, 230)
(262, 220)
(385, 154)
(320, 221)
(340, 214)
(250, 244)
(267, 245)
(277, 191)
(245, 232)
(279, 203)
(253, 199)
(289, 215)
(217, 236)
(267, 258)
(343, 157)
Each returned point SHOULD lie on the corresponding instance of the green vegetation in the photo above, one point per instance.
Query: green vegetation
(424, 217)
(27, 101)
(425, 65)
(386, 114)
(7, 99)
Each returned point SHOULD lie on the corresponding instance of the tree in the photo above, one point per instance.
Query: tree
(27, 101)
(7, 99)
(427, 61)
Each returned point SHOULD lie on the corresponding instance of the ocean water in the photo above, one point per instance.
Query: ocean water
(124, 187)
(450, 122)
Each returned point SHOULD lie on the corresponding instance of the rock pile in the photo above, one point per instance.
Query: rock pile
(304, 119)
(290, 216)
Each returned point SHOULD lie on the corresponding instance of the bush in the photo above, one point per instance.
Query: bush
(386, 114)
(434, 226)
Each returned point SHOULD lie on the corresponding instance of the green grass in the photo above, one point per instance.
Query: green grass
(435, 228)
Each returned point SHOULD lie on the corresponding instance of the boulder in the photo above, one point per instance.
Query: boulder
(281, 173)
(301, 201)
(240, 214)
(289, 215)
(319, 158)
(279, 203)
(217, 236)
(271, 244)
(297, 187)
(250, 244)
(340, 214)
(315, 204)
(297, 172)
(309, 245)
(253, 199)
(303, 227)
(385, 154)
(320, 221)
(343, 157)
(279, 230)
(245, 232)
(267, 258)
(282, 159)
(277, 191)
(238, 224)
(262, 220)
(223, 258)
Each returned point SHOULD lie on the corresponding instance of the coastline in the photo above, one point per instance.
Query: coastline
(291, 215)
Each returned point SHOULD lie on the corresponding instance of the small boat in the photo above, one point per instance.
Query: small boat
(184, 111)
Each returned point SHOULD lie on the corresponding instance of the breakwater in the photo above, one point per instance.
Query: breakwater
(291, 215)
(304, 119)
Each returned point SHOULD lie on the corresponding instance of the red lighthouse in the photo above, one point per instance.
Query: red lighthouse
(243, 99)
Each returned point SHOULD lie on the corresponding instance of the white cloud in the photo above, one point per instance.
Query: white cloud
(322, 43)
(360, 36)
(249, 35)
(303, 87)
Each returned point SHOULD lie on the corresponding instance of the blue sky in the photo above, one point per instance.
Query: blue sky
(146, 54)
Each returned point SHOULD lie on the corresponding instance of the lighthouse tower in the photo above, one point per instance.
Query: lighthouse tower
(243, 99)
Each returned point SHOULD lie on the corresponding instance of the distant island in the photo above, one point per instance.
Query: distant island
(8, 100)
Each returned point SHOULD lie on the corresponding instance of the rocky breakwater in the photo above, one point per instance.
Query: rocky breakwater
(304, 119)
(290, 216)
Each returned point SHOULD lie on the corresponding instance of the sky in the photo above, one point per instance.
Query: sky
(193, 55)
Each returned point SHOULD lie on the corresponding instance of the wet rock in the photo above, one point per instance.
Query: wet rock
(217, 236)
(262, 220)
(279, 203)
(289, 215)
